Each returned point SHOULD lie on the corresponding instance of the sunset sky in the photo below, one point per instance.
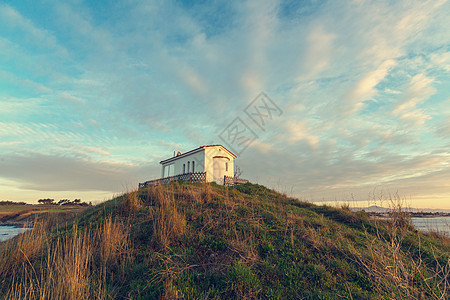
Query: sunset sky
(93, 94)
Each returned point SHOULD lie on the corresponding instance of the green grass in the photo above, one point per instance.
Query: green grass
(196, 241)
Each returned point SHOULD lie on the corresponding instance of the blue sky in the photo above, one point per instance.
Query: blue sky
(93, 94)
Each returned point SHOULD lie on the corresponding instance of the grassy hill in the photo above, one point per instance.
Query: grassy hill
(195, 241)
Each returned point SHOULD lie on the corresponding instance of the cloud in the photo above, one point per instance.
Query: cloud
(297, 131)
(419, 90)
(261, 22)
(65, 96)
(194, 81)
(61, 173)
(261, 146)
(13, 106)
(318, 56)
(441, 60)
(111, 90)
(365, 88)
(443, 128)
(27, 84)
(39, 37)
(334, 171)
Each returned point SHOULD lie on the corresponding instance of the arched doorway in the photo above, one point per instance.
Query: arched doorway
(219, 168)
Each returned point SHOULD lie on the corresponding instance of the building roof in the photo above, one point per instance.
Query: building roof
(193, 151)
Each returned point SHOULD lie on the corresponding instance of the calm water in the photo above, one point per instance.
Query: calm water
(7, 232)
(439, 224)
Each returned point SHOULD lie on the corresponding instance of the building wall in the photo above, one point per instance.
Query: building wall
(210, 152)
(198, 158)
(204, 162)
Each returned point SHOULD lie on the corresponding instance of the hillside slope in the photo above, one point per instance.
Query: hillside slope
(197, 241)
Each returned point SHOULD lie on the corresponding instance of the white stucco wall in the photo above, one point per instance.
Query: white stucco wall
(204, 162)
(197, 157)
(210, 153)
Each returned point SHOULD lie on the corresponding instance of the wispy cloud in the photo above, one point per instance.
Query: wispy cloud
(419, 90)
(36, 36)
(110, 91)
(364, 89)
(59, 173)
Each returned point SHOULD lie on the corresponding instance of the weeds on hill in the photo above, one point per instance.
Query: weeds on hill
(396, 265)
(64, 264)
(204, 241)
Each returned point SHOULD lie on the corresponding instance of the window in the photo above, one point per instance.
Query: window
(169, 170)
(226, 167)
(193, 166)
(184, 168)
(188, 166)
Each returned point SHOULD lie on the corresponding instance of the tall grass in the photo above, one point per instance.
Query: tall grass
(392, 264)
(16, 253)
(131, 202)
(206, 241)
(66, 264)
(169, 222)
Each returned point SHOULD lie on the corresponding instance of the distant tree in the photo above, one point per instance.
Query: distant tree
(64, 202)
(46, 201)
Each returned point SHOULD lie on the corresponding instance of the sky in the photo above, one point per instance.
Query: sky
(341, 100)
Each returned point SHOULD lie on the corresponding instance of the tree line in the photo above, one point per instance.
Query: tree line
(64, 202)
(12, 203)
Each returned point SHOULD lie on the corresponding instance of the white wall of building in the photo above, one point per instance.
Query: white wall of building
(210, 153)
(206, 160)
(196, 159)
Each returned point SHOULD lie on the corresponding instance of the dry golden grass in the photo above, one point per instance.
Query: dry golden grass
(393, 269)
(170, 292)
(168, 222)
(131, 202)
(244, 245)
(65, 266)
(68, 267)
(63, 272)
(185, 234)
(114, 240)
(22, 249)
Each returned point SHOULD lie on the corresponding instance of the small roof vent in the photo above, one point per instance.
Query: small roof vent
(176, 153)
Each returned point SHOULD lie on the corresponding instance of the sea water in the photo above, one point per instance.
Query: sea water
(436, 224)
(8, 232)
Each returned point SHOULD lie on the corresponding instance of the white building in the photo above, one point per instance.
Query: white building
(215, 160)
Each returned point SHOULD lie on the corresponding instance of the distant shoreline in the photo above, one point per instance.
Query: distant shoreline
(16, 224)
(25, 216)
(431, 217)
